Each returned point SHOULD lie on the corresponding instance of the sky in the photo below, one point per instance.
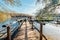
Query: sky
(27, 7)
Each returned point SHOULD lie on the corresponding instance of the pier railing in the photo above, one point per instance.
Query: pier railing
(8, 34)
(41, 28)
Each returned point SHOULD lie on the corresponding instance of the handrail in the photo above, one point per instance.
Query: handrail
(36, 28)
(12, 31)
(39, 32)
(17, 27)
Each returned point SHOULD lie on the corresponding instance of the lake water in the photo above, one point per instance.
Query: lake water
(50, 29)
(13, 25)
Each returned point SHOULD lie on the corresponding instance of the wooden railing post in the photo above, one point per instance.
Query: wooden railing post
(8, 33)
(41, 27)
(32, 24)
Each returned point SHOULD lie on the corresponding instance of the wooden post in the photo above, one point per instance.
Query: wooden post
(8, 33)
(41, 26)
(32, 24)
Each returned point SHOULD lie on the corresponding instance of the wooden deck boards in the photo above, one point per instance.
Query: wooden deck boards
(31, 34)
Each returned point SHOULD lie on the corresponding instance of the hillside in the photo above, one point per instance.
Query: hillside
(4, 17)
(19, 14)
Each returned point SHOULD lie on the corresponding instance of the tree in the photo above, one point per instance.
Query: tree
(49, 7)
(13, 2)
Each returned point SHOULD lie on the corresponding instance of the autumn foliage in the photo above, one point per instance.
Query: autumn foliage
(4, 17)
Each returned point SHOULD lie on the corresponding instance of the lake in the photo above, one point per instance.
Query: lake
(13, 25)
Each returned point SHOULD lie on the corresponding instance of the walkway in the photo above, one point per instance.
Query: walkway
(26, 33)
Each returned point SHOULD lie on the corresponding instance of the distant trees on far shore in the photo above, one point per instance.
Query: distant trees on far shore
(4, 17)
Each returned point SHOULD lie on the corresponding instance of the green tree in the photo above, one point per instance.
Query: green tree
(48, 9)
(13, 2)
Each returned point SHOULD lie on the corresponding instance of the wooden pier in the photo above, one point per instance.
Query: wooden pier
(26, 33)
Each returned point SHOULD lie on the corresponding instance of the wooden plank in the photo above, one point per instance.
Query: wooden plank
(8, 33)
(31, 34)
(41, 29)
